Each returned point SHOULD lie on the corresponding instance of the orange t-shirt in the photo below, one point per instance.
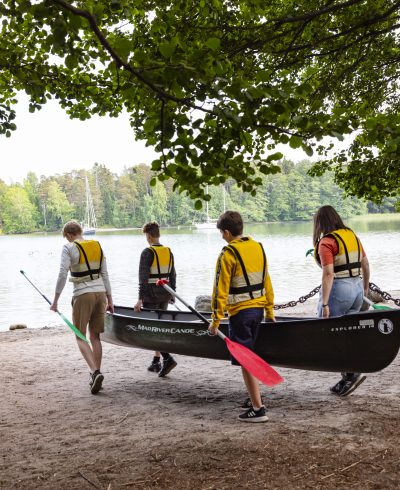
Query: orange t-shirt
(328, 248)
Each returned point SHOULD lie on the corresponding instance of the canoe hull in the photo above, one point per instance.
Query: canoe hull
(364, 342)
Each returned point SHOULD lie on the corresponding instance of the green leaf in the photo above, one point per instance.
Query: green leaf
(309, 151)
(275, 156)
(337, 135)
(213, 43)
(167, 49)
(295, 142)
(71, 61)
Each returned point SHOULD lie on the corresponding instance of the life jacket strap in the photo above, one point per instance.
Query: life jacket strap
(85, 273)
(247, 289)
(347, 267)
(160, 275)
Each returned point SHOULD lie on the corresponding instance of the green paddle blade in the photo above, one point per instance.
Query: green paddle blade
(380, 307)
(77, 332)
(310, 251)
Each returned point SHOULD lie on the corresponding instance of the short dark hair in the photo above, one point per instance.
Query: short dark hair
(153, 229)
(231, 221)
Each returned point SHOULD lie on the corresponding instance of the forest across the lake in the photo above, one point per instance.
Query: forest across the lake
(128, 200)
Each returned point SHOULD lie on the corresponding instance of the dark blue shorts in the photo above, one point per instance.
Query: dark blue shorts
(244, 326)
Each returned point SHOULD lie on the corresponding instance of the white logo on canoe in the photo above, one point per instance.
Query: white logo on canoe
(385, 326)
(362, 325)
(165, 330)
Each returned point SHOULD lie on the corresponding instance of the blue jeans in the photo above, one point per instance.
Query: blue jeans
(346, 297)
(244, 326)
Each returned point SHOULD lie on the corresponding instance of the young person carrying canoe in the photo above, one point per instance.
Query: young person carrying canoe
(242, 286)
(85, 262)
(340, 254)
(156, 262)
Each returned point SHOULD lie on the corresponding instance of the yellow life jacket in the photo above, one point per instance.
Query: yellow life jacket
(347, 262)
(90, 259)
(248, 279)
(162, 264)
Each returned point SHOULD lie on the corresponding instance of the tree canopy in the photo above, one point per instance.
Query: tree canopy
(215, 86)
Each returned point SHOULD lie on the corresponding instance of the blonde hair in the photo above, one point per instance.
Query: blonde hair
(72, 227)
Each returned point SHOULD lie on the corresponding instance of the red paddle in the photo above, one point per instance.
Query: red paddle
(246, 357)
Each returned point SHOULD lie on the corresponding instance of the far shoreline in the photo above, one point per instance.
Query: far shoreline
(369, 216)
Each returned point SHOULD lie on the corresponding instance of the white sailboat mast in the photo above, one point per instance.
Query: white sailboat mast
(90, 217)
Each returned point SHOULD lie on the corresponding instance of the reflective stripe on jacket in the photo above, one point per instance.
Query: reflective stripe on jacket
(90, 260)
(347, 262)
(162, 263)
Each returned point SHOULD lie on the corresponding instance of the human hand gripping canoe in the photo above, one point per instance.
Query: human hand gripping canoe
(246, 358)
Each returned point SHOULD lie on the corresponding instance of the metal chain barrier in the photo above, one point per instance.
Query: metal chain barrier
(302, 299)
(373, 287)
(384, 294)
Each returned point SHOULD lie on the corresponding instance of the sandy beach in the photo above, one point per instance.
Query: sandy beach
(144, 432)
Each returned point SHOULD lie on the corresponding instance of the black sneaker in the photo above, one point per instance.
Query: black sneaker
(247, 403)
(155, 367)
(168, 365)
(352, 382)
(97, 381)
(338, 387)
(252, 415)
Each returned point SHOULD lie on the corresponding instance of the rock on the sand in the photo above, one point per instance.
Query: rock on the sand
(202, 303)
(18, 326)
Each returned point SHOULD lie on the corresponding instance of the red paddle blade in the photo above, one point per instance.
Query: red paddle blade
(253, 363)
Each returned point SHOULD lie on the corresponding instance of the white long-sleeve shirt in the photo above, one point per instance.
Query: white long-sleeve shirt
(70, 256)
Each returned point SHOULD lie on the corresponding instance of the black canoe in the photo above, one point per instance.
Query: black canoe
(364, 342)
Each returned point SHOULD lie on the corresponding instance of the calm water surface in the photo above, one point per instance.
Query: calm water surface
(195, 253)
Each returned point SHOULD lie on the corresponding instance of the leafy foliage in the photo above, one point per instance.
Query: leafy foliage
(129, 200)
(217, 85)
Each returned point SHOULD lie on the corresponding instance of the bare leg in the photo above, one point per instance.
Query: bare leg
(87, 353)
(97, 349)
(156, 354)
(253, 388)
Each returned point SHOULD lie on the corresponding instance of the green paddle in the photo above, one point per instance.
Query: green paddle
(310, 251)
(71, 326)
(374, 306)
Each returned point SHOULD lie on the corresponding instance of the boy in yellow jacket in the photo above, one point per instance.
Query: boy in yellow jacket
(242, 286)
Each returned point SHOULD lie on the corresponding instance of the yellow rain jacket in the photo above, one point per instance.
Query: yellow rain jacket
(90, 259)
(347, 263)
(241, 280)
(162, 264)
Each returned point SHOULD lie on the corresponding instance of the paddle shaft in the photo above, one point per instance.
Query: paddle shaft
(197, 313)
(76, 331)
(374, 306)
(367, 300)
(37, 289)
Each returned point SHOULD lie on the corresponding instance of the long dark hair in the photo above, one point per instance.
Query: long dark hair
(326, 220)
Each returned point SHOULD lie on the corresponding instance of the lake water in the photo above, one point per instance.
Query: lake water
(195, 252)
